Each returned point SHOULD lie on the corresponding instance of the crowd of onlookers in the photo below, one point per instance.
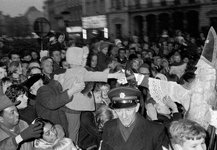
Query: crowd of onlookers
(34, 84)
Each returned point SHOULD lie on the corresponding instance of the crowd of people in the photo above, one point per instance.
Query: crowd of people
(72, 97)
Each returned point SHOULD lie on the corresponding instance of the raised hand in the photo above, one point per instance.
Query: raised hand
(169, 103)
(77, 86)
(33, 131)
(151, 112)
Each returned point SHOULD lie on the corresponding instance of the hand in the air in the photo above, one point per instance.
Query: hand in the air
(169, 103)
(33, 131)
(151, 111)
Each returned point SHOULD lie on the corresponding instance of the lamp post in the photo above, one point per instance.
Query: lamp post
(66, 19)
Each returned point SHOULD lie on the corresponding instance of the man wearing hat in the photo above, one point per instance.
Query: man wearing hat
(14, 132)
(130, 131)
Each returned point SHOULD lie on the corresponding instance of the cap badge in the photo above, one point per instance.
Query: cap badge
(122, 95)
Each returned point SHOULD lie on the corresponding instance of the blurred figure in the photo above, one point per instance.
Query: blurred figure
(24, 65)
(64, 64)
(5, 83)
(15, 72)
(47, 66)
(34, 63)
(102, 55)
(35, 55)
(55, 54)
(14, 56)
(63, 54)
(26, 56)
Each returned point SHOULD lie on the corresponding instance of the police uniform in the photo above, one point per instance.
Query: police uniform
(140, 135)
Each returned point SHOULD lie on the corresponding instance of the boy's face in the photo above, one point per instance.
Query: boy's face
(105, 50)
(98, 97)
(112, 65)
(24, 68)
(49, 133)
(65, 65)
(94, 61)
(194, 144)
(122, 54)
(105, 90)
(177, 59)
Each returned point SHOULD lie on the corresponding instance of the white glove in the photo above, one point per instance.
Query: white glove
(122, 80)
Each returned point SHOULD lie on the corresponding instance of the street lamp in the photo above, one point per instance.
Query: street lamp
(66, 19)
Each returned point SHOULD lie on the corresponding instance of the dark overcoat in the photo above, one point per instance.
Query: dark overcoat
(50, 102)
(146, 135)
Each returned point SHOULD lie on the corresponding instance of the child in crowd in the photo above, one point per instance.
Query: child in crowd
(15, 72)
(76, 58)
(187, 135)
(52, 138)
(103, 88)
(102, 115)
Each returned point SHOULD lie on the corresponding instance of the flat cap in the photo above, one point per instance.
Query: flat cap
(123, 97)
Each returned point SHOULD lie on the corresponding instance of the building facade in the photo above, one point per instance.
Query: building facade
(151, 17)
(64, 15)
(94, 20)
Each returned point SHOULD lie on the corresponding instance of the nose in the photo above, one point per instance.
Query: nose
(124, 114)
(16, 113)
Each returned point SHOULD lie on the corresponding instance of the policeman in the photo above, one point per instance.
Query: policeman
(131, 131)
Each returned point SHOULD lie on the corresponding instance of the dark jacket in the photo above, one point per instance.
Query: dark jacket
(89, 134)
(49, 103)
(28, 114)
(101, 64)
(146, 135)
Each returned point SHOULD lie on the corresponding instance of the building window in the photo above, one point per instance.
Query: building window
(118, 4)
(118, 28)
